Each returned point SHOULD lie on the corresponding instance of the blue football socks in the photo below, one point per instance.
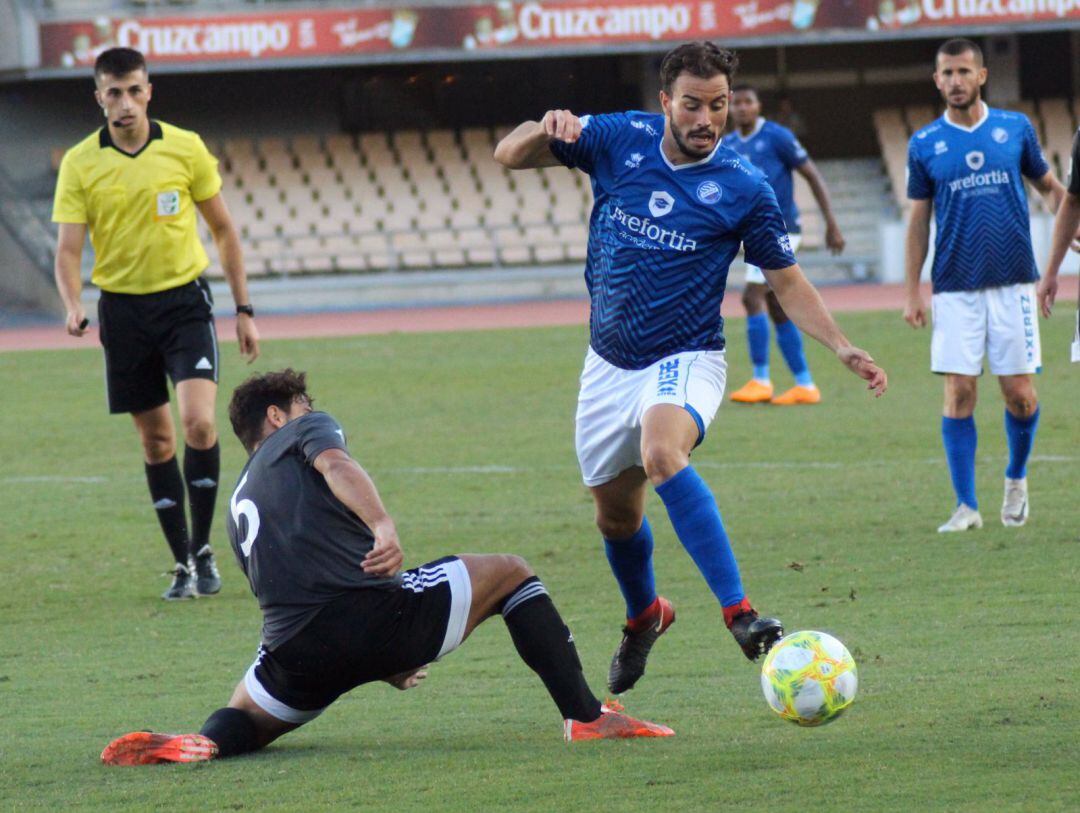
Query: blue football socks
(757, 336)
(791, 345)
(631, 562)
(960, 440)
(696, 518)
(1021, 435)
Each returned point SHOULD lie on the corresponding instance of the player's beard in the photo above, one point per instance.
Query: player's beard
(966, 103)
(686, 149)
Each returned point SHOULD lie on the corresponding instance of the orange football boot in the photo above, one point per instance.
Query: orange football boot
(148, 748)
(753, 392)
(612, 724)
(799, 395)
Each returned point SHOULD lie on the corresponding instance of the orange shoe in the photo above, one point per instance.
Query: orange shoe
(799, 395)
(753, 392)
(148, 748)
(612, 724)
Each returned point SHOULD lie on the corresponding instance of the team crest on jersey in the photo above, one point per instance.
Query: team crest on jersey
(975, 160)
(709, 192)
(634, 161)
(1000, 135)
(940, 148)
(661, 203)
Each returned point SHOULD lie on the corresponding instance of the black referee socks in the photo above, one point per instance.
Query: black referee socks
(167, 492)
(202, 468)
(545, 643)
(232, 730)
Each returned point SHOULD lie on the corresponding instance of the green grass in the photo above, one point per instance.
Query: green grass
(967, 646)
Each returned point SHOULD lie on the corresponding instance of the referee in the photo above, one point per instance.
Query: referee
(135, 184)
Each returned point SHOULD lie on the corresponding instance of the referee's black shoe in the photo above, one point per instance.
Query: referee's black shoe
(207, 578)
(755, 634)
(183, 585)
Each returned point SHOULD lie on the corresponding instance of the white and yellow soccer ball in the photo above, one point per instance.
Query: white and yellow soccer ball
(809, 678)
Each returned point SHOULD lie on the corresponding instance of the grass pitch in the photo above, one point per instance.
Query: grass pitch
(967, 645)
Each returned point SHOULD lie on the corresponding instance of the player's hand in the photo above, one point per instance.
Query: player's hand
(248, 336)
(76, 322)
(860, 363)
(385, 558)
(834, 239)
(1047, 293)
(408, 680)
(561, 125)
(915, 311)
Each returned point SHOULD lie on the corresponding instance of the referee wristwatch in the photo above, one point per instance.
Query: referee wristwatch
(250, 311)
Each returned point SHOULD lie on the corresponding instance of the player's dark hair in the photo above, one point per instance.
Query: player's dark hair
(957, 46)
(247, 409)
(701, 59)
(119, 62)
(745, 87)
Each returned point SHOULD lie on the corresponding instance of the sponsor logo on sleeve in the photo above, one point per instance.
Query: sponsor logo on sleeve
(784, 241)
(634, 161)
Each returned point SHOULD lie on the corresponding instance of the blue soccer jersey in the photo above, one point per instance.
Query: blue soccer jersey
(776, 151)
(661, 238)
(980, 206)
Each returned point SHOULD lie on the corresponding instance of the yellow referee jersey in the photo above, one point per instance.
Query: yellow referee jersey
(140, 209)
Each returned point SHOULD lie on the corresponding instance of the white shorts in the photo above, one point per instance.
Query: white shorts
(754, 274)
(1000, 323)
(612, 402)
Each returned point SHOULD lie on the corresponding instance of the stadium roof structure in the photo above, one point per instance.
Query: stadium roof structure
(62, 37)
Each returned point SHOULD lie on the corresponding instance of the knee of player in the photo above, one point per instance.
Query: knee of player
(663, 461)
(776, 313)
(158, 448)
(619, 527)
(516, 568)
(199, 431)
(752, 300)
(1022, 405)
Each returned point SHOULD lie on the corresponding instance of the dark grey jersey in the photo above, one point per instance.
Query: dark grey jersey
(299, 545)
(1074, 167)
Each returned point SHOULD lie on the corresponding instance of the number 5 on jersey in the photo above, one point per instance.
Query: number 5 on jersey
(249, 511)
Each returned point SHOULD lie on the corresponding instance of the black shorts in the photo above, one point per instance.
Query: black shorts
(365, 635)
(147, 336)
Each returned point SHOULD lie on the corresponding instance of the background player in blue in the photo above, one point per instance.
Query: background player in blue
(776, 151)
(966, 167)
(672, 206)
(1065, 232)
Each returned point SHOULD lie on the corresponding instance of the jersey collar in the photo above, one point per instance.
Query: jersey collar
(973, 128)
(105, 140)
(757, 129)
(677, 167)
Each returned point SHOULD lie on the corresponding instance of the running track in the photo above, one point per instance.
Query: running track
(842, 298)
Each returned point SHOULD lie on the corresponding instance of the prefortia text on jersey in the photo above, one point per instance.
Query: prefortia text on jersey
(668, 238)
(974, 179)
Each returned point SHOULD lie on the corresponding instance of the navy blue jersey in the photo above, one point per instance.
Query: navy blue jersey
(661, 237)
(974, 177)
(776, 151)
(299, 545)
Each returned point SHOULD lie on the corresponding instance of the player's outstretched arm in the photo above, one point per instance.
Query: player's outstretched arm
(801, 301)
(526, 147)
(1066, 224)
(917, 245)
(352, 485)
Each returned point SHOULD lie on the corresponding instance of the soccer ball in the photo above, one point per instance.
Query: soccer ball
(809, 678)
